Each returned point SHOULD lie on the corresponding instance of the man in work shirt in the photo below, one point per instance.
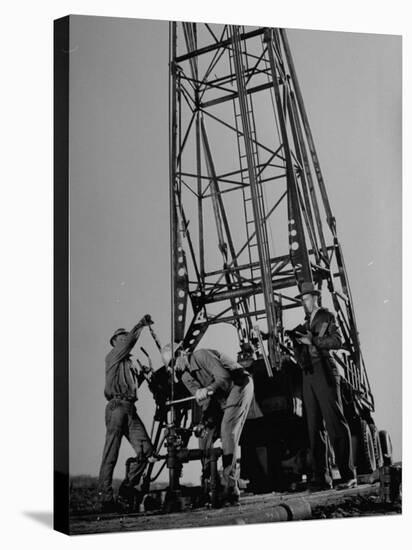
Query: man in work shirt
(122, 381)
(209, 374)
(321, 392)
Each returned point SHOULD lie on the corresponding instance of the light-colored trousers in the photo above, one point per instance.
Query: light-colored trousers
(235, 411)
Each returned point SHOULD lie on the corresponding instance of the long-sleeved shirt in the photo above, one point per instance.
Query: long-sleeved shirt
(210, 369)
(121, 377)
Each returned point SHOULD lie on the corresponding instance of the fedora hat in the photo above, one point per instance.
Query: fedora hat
(116, 333)
(308, 288)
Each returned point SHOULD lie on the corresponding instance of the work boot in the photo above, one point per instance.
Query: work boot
(130, 497)
(231, 492)
(230, 496)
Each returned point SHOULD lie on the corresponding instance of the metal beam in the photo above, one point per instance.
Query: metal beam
(234, 95)
(223, 43)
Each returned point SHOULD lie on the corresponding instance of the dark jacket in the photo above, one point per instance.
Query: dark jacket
(325, 337)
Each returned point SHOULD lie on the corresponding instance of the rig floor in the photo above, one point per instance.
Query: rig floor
(267, 508)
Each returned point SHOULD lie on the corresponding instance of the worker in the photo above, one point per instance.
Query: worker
(209, 374)
(321, 392)
(122, 382)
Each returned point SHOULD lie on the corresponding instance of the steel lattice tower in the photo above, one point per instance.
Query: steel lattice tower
(250, 215)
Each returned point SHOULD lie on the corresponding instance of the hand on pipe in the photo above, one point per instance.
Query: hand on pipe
(201, 394)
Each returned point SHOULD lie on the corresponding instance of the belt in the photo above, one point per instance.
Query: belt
(124, 397)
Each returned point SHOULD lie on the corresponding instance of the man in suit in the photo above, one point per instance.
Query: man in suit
(321, 392)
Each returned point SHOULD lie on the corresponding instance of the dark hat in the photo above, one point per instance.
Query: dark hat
(308, 288)
(116, 333)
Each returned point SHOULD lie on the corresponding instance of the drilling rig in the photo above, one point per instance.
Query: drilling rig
(251, 222)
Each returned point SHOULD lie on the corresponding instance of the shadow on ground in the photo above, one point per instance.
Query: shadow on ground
(44, 518)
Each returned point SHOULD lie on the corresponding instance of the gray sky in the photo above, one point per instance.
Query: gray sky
(119, 257)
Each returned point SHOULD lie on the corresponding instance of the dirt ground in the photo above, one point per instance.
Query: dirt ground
(355, 507)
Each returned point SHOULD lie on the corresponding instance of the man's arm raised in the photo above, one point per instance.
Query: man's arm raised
(123, 348)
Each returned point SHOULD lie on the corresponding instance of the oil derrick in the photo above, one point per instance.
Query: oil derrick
(250, 216)
(243, 160)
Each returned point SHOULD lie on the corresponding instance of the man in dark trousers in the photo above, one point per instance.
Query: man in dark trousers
(321, 392)
(210, 374)
(122, 382)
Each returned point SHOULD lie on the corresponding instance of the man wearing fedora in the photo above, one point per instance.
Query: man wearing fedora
(122, 382)
(321, 392)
